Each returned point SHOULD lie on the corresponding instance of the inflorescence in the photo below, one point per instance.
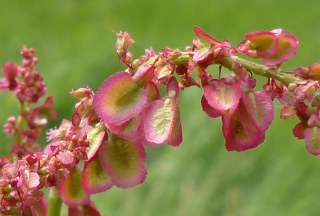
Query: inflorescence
(103, 143)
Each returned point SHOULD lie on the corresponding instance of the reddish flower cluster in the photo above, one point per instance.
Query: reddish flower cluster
(302, 100)
(138, 107)
(244, 112)
(27, 85)
(26, 82)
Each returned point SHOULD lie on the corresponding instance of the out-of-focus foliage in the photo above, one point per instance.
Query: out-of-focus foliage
(75, 43)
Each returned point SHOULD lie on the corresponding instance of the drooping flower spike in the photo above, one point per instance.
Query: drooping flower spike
(246, 127)
(246, 115)
(109, 129)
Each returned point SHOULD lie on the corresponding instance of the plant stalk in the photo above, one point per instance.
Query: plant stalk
(54, 202)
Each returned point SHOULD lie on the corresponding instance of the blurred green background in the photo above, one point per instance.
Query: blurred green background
(75, 43)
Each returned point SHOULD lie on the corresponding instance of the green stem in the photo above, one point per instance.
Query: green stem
(182, 59)
(20, 124)
(258, 69)
(54, 203)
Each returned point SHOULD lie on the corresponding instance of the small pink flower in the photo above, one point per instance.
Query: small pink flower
(31, 180)
(273, 47)
(209, 49)
(66, 158)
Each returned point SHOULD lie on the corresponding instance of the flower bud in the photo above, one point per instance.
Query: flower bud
(10, 70)
(123, 43)
(82, 93)
(314, 71)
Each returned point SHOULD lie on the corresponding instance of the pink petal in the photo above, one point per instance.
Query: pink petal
(39, 208)
(240, 132)
(71, 191)
(153, 91)
(124, 161)
(175, 137)
(162, 119)
(260, 108)
(158, 121)
(34, 180)
(66, 157)
(95, 179)
(173, 89)
(211, 112)
(208, 48)
(144, 74)
(202, 35)
(95, 137)
(222, 95)
(75, 211)
(127, 130)
(82, 93)
(30, 179)
(119, 98)
(314, 71)
(288, 111)
(286, 49)
(299, 129)
(312, 140)
(10, 70)
(86, 210)
(259, 44)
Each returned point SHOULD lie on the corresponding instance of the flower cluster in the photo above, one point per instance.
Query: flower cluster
(103, 144)
(27, 85)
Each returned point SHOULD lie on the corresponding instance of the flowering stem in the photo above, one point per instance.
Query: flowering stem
(20, 124)
(54, 203)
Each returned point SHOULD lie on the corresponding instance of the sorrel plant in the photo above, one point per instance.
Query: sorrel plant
(103, 143)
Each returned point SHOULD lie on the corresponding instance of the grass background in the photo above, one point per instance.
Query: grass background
(75, 43)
